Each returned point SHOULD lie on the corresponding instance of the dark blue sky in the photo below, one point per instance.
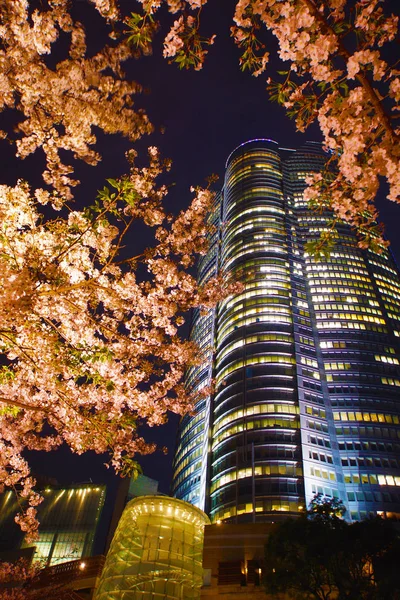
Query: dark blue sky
(206, 115)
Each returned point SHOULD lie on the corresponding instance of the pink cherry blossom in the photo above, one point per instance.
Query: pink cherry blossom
(90, 349)
(76, 96)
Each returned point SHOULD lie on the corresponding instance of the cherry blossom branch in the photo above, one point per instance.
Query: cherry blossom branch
(18, 404)
(89, 227)
(20, 348)
(118, 245)
(86, 417)
(361, 78)
(132, 260)
(75, 95)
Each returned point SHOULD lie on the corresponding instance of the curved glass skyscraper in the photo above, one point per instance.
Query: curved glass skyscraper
(304, 360)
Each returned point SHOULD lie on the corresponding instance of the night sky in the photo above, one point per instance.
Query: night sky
(206, 115)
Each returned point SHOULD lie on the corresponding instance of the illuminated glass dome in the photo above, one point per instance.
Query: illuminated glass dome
(156, 552)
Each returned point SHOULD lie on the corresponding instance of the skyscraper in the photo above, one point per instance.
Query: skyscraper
(304, 361)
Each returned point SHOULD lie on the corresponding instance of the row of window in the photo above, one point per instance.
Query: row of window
(325, 491)
(329, 278)
(270, 158)
(383, 266)
(328, 298)
(255, 249)
(390, 381)
(310, 397)
(366, 416)
(260, 300)
(354, 308)
(257, 409)
(187, 448)
(266, 506)
(369, 461)
(390, 283)
(356, 288)
(264, 289)
(260, 359)
(256, 288)
(332, 344)
(363, 376)
(189, 487)
(196, 453)
(350, 317)
(357, 262)
(276, 386)
(306, 340)
(233, 396)
(249, 169)
(306, 372)
(392, 304)
(317, 426)
(392, 316)
(192, 429)
(319, 441)
(322, 473)
(326, 458)
(268, 423)
(198, 377)
(361, 386)
(276, 315)
(247, 226)
(350, 325)
(262, 454)
(186, 473)
(268, 192)
(373, 432)
(256, 210)
(309, 362)
(266, 235)
(369, 403)
(281, 338)
(282, 469)
(370, 478)
(315, 411)
(385, 292)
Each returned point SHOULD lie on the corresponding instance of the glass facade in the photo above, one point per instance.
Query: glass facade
(305, 359)
(156, 552)
(68, 522)
(191, 458)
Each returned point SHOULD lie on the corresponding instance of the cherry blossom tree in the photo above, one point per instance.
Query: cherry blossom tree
(89, 335)
(21, 581)
(338, 74)
(13, 576)
(92, 349)
(60, 104)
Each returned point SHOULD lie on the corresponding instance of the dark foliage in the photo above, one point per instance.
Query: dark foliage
(321, 557)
